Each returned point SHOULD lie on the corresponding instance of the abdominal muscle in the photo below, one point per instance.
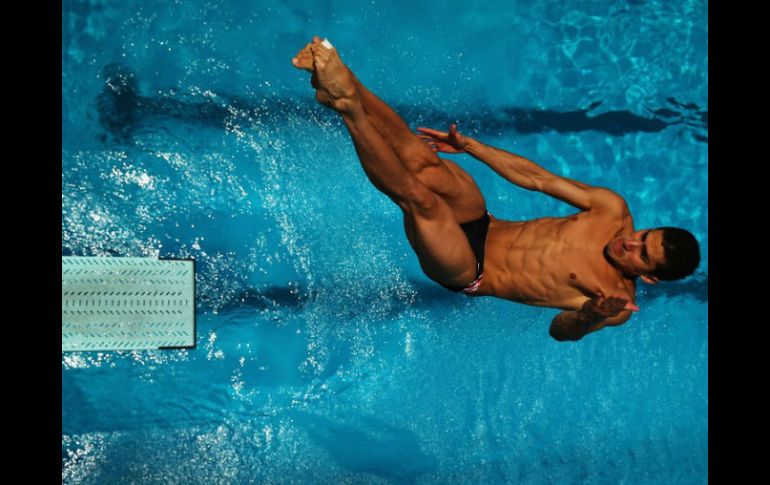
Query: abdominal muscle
(550, 262)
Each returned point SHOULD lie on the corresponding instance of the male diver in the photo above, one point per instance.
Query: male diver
(586, 264)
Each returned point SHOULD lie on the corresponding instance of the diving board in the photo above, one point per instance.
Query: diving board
(127, 303)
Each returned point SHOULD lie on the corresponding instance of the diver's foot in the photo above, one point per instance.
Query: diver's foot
(335, 81)
(304, 58)
(321, 95)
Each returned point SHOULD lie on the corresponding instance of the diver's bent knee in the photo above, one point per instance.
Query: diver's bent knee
(422, 202)
(423, 159)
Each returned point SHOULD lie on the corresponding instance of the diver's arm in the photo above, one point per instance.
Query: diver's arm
(572, 325)
(516, 169)
(531, 176)
(596, 313)
(523, 172)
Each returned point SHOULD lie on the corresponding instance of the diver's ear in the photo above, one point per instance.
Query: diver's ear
(650, 280)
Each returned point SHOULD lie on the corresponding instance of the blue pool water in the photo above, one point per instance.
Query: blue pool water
(324, 355)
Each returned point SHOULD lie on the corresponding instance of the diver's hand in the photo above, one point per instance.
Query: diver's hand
(598, 308)
(441, 141)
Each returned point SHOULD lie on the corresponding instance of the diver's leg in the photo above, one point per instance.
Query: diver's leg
(411, 150)
(396, 132)
(443, 177)
(442, 248)
(440, 244)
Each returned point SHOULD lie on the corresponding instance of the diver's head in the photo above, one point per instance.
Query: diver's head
(664, 253)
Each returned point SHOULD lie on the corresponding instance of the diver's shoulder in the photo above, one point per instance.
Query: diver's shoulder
(607, 201)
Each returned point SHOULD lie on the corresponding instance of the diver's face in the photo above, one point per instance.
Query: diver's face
(638, 253)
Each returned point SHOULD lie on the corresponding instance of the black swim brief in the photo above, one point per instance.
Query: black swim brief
(476, 232)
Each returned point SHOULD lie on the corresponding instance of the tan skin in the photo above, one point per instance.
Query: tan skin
(585, 264)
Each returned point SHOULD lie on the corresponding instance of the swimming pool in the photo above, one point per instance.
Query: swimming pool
(324, 354)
